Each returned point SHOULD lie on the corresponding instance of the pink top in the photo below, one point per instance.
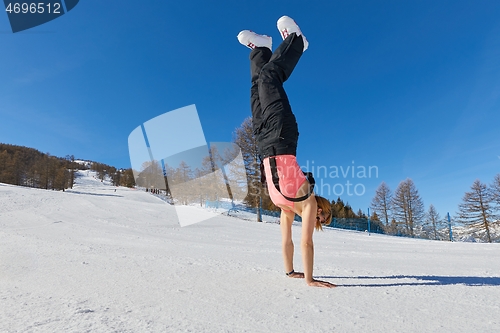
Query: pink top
(290, 176)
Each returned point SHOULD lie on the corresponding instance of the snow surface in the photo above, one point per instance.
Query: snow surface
(95, 260)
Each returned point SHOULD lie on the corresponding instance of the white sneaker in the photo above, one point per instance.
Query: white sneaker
(287, 26)
(252, 40)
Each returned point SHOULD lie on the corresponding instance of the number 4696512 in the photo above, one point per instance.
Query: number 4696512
(33, 8)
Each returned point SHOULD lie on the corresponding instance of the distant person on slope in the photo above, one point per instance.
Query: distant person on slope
(277, 134)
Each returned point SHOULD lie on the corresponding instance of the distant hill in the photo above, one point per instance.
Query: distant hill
(24, 166)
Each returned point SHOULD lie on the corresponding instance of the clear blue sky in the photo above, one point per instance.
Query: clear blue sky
(410, 87)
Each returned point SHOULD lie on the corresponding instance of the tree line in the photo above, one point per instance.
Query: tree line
(29, 167)
(24, 166)
(403, 212)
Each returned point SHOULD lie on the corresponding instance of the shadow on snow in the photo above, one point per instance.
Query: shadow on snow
(431, 280)
(95, 194)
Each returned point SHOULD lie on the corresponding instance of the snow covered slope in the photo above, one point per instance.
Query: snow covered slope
(96, 260)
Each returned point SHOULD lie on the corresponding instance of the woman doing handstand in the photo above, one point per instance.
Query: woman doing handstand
(276, 131)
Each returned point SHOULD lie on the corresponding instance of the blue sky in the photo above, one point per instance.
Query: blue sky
(411, 88)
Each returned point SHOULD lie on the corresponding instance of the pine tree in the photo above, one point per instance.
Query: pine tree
(381, 203)
(245, 139)
(338, 208)
(408, 207)
(433, 223)
(342, 210)
(374, 217)
(476, 210)
(348, 212)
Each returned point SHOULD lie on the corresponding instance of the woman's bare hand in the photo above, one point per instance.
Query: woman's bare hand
(318, 283)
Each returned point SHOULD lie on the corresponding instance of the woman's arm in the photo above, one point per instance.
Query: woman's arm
(286, 220)
(309, 212)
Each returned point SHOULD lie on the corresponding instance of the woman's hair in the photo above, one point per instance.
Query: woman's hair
(326, 209)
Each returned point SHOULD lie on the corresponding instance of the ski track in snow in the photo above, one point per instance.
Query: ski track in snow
(95, 260)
